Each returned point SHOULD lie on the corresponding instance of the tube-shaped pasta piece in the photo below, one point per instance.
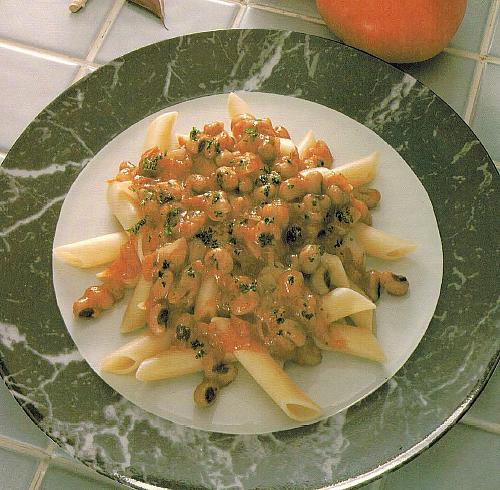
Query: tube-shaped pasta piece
(287, 147)
(342, 302)
(206, 302)
(360, 171)
(278, 385)
(366, 318)
(121, 204)
(159, 132)
(336, 272)
(318, 282)
(353, 340)
(134, 316)
(93, 251)
(175, 253)
(308, 141)
(236, 106)
(127, 358)
(378, 243)
(174, 362)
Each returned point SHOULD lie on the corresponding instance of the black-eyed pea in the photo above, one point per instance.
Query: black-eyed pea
(308, 355)
(205, 393)
(394, 284)
(309, 258)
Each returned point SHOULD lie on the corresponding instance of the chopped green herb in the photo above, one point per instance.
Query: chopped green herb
(182, 332)
(291, 279)
(190, 272)
(307, 315)
(135, 229)
(196, 344)
(321, 249)
(252, 132)
(207, 237)
(216, 197)
(268, 220)
(290, 186)
(280, 320)
(193, 134)
(343, 215)
(276, 178)
(164, 197)
(149, 165)
(265, 239)
(147, 196)
(200, 354)
(245, 288)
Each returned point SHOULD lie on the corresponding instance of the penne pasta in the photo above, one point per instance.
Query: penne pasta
(335, 269)
(342, 302)
(128, 357)
(205, 307)
(361, 171)
(287, 147)
(356, 341)
(174, 362)
(93, 251)
(308, 141)
(159, 132)
(122, 204)
(366, 318)
(135, 316)
(378, 243)
(236, 106)
(278, 385)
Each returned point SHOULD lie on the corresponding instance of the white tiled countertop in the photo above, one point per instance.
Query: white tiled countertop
(44, 48)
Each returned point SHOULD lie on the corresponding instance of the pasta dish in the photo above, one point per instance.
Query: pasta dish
(242, 249)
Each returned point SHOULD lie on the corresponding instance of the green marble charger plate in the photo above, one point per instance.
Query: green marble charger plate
(68, 401)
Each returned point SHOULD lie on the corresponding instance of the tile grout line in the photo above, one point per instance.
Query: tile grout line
(288, 13)
(21, 447)
(101, 36)
(42, 467)
(44, 53)
(481, 63)
(484, 425)
(239, 17)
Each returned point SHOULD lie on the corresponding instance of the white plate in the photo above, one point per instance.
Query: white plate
(340, 380)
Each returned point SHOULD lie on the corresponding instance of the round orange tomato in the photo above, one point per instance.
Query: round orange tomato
(398, 31)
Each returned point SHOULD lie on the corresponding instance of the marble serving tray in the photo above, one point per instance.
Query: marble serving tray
(40, 363)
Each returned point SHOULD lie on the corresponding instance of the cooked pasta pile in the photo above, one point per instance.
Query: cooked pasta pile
(242, 249)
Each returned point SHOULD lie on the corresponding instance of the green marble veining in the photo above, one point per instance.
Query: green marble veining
(44, 370)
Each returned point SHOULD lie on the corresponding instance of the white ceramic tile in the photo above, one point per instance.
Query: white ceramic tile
(257, 18)
(16, 470)
(15, 423)
(304, 7)
(49, 24)
(486, 121)
(447, 75)
(470, 32)
(62, 479)
(27, 85)
(464, 459)
(136, 27)
(494, 48)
